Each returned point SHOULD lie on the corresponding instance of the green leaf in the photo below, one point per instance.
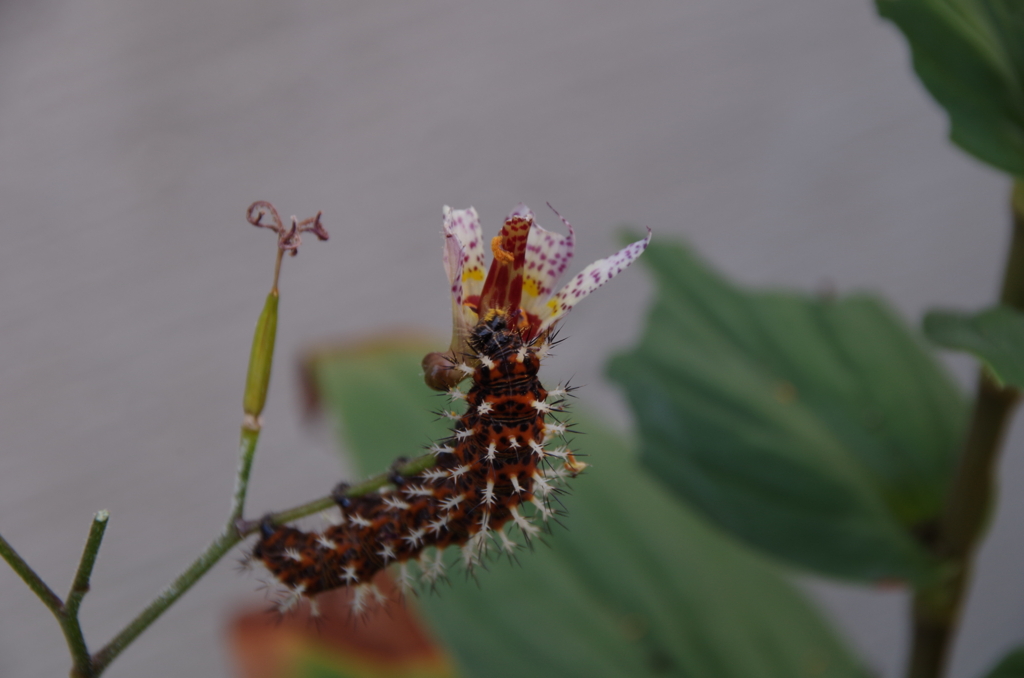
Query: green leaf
(314, 662)
(970, 56)
(995, 335)
(818, 430)
(637, 585)
(1012, 666)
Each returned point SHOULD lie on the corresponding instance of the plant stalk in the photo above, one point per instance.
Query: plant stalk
(201, 565)
(66, 613)
(80, 584)
(937, 607)
(82, 662)
(50, 599)
(246, 453)
(234, 532)
(254, 399)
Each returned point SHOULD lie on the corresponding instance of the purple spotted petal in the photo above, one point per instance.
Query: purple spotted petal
(463, 263)
(547, 256)
(592, 277)
(464, 226)
(452, 259)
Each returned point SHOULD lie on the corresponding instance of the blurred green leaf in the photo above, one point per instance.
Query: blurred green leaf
(1012, 666)
(313, 662)
(995, 335)
(637, 585)
(970, 56)
(818, 430)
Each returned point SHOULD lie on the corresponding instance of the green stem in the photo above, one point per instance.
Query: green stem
(66, 613)
(409, 469)
(937, 607)
(1012, 293)
(182, 583)
(234, 532)
(83, 667)
(256, 385)
(247, 452)
(200, 566)
(80, 584)
(50, 599)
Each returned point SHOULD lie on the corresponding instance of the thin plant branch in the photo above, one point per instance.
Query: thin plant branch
(409, 469)
(257, 382)
(245, 458)
(256, 386)
(182, 583)
(50, 599)
(234, 532)
(80, 584)
(68, 618)
(937, 607)
(66, 613)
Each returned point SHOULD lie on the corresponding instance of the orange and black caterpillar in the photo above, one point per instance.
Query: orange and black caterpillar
(498, 460)
(499, 467)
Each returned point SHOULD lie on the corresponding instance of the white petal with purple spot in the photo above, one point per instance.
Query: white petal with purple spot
(547, 256)
(464, 226)
(592, 277)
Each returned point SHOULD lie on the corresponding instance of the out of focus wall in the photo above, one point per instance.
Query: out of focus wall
(787, 139)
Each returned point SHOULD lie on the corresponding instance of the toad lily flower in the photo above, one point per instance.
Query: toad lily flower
(528, 261)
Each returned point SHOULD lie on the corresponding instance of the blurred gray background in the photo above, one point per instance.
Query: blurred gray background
(787, 139)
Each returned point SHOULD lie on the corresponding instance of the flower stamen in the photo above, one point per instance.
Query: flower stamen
(499, 253)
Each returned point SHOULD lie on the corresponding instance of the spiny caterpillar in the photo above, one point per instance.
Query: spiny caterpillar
(501, 465)
(497, 460)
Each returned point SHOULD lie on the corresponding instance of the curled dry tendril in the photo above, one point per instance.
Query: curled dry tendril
(288, 239)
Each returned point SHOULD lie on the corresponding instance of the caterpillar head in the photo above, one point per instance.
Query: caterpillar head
(495, 334)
